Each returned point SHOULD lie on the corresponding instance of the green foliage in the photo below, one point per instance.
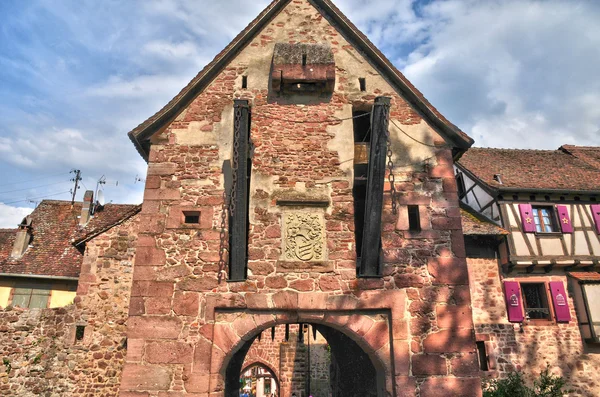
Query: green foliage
(7, 364)
(547, 385)
(37, 358)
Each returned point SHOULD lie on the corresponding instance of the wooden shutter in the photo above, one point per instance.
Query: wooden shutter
(596, 215)
(527, 220)
(514, 305)
(561, 304)
(564, 219)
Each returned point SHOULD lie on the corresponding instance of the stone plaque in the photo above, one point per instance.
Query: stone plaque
(303, 237)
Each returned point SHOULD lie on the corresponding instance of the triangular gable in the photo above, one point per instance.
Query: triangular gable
(141, 135)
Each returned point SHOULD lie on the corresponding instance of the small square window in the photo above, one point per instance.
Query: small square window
(191, 217)
(545, 219)
(535, 301)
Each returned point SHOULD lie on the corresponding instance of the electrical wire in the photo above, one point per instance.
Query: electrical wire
(33, 187)
(35, 179)
(415, 139)
(34, 198)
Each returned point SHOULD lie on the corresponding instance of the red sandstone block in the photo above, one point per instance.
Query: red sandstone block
(450, 341)
(449, 185)
(136, 306)
(444, 157)
(135, 350)
(161, 169)
(162, 194)
(198, 383)
(145, 377)
(406, 386)
(202, 354)
(286, 300)
(244, 327)
(169, 353)
(146, 241)
(458, 244)
(158, 305)
(342, 302)
(276, 282)
(312, 301)
(378, 335)
(360, 323)
(134, 394)
(446, 223)
(412, 198)
(303, 285)
(257, 301)
(451, 271)
(466, 365)
(401, 357)
(156, 327)
(224, 337)
(153, 182)
(399, 328)
(186, 303)
(152, 288)
(426, 365)
(451, 387)
(200, 284)
(149, 256)
(445, 200)
(454, 316)
(329, 283)
(441, 171)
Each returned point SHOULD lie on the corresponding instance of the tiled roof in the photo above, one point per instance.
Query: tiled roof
(54, 228)
(589, 154)
(141, 134)
(473, 224)
(531, 169)
(586, 276)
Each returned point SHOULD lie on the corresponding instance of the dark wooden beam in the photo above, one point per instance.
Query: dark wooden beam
(370, 261)
(239, 219)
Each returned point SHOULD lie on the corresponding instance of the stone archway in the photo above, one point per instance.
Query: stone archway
(270, 369)
(364, 361)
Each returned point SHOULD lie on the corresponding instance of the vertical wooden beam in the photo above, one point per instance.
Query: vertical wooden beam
(239, 218)
(370, 261)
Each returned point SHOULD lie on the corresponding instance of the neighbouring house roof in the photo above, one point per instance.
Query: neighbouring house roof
(141, 135)
(589, 154)
(548, 170)
(474, 224)
(586, 276)
(55, 231)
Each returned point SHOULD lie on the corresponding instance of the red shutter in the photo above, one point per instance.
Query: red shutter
(561, 304)
(564, 219)
(596, 215)
(514, 307)
(527, 218)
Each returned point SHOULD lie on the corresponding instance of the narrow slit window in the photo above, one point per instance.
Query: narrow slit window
(362, 82)
(79, 332)
(244, 82)
(482, 353)
(414, 218)
(191, 217)
(304, 59)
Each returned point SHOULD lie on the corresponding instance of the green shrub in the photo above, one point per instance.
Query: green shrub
(547, 385)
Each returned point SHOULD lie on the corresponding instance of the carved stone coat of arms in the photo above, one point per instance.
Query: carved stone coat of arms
(303, 237)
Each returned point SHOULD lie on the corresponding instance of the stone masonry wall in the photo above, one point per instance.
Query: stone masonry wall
(39, 349)
(184, 326)
(529, 348)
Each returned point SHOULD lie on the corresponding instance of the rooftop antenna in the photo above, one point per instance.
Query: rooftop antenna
(99, 194)
(77, 179)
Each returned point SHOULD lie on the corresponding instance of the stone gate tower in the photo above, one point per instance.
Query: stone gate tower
(300, 179)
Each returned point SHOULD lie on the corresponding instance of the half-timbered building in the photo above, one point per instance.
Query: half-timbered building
(534, 285)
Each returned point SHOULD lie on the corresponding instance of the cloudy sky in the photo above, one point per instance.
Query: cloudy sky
(77, 75)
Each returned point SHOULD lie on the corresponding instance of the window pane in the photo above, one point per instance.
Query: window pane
(38, 302)
(22, 291)
(592, 293)
(534, 298)
(21, 300)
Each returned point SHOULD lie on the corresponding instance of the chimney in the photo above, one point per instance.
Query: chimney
(86, 209)
(23, 238)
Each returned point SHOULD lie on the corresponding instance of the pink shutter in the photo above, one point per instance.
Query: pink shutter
(596, 215)
(561, 304)
(514, 307)
(527, 218)
(564, 219)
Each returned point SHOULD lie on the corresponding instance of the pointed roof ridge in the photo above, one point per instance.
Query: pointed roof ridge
(141, 134)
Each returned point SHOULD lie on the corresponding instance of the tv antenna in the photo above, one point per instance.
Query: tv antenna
(76, 179)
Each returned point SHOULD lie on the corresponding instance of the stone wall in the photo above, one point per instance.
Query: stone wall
(528, 348)
(415, 321)
(42, 351)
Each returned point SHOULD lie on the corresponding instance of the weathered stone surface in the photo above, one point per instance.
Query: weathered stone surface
(151, 377)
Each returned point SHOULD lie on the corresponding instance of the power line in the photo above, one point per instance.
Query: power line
(34, 198)
(35, 179)
(33, 187)
(415, 139)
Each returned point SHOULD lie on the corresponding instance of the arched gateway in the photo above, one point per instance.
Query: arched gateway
(300, 179)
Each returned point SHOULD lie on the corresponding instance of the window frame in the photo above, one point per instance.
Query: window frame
(551, 320)
(537, 215)
(31, 294)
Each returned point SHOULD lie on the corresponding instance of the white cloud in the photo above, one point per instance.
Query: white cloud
(10, 216)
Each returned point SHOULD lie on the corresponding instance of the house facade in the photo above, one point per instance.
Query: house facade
(534, 286)
(300, 179)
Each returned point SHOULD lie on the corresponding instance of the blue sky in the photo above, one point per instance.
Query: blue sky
(76, 76)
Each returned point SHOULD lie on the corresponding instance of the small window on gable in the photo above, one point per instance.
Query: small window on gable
(244, 82)
(191, 217)
(545, 219)
(362, 82)
(414, 218)
(535, 301)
